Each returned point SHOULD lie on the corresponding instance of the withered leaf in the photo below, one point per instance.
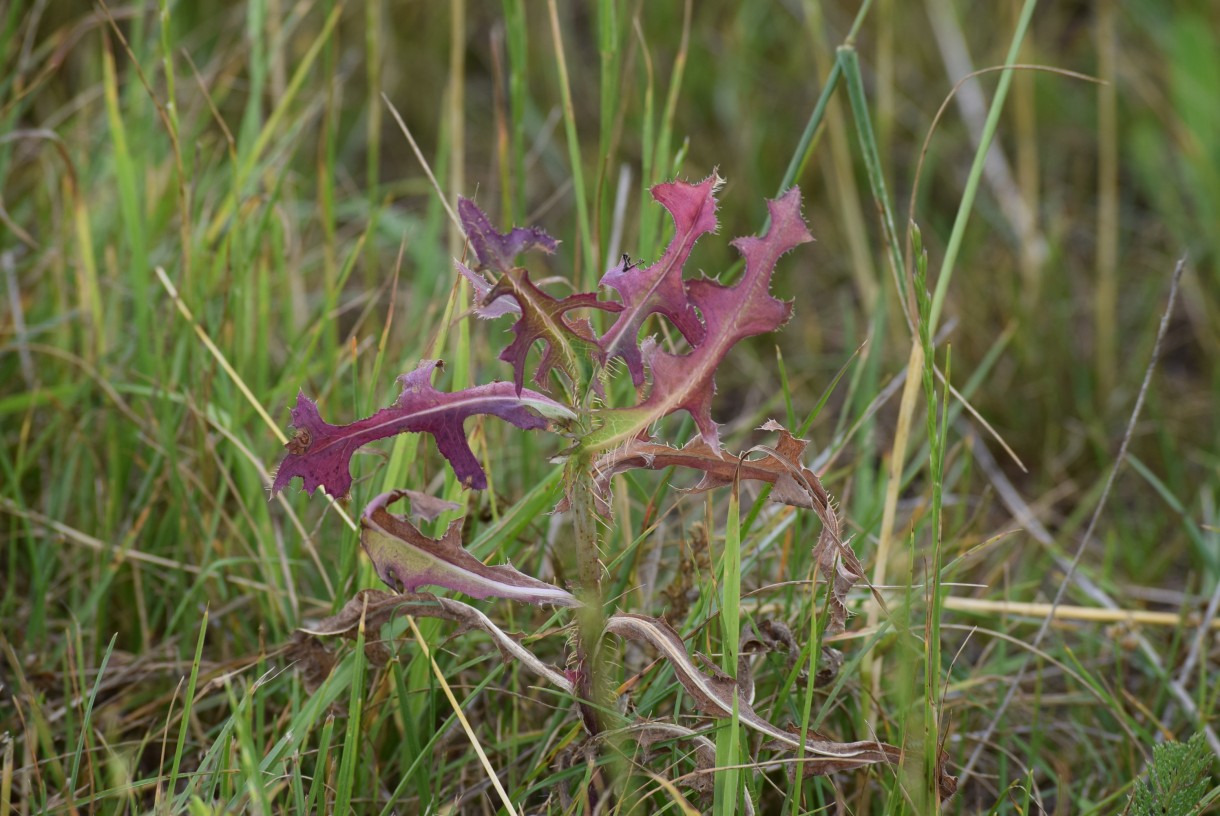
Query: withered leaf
(792, 484)
(713, 695)
(379, 607)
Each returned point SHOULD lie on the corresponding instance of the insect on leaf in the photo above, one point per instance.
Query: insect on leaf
(659, 288)
(730, 314)
(321, 453)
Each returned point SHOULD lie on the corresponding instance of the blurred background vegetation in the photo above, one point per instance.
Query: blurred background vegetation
(246, 150)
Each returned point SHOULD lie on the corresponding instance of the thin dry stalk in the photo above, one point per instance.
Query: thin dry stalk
(1088, 535)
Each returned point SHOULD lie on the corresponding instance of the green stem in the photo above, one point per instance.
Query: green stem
(976, 169)
(591, 617)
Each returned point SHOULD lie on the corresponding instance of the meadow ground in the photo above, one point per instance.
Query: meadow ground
(205, 208)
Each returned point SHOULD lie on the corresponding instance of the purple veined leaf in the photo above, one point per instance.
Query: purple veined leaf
(730, 314)
(320, 453)
(496, 251)
(544, 318)
(406, 559)
(482, 288)
(659, 288)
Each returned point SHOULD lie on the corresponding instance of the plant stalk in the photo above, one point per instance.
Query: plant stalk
(591, 684)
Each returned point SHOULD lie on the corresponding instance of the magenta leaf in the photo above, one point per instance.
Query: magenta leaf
(544, 318)
(482, 288)
(659, 288)
(320, 453)
(497, 252)
(406, 559)
(730, 314)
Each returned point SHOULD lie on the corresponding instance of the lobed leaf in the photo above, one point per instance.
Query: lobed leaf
(320, 453)
(497, 252)
(543, 318)
(659, 288)
(406, 559)
(730, 314)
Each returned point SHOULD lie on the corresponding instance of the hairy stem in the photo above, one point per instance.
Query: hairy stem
(591, 617)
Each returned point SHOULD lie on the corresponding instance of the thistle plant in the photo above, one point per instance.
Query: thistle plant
(568, 396)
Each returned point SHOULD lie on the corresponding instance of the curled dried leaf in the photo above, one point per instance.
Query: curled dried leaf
(780, 466)
(379, 607)
(713, 695)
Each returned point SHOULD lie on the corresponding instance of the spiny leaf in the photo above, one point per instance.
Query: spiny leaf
(497, 252)
(320, 453)
(659, 288)
(482, 287)
(730, 314)
(406, 559)
(793, 484)
(542, 318)
(713, 695)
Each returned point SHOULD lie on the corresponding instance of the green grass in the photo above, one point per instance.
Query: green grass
(244, 158)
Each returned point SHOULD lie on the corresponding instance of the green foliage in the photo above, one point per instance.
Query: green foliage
(1178, 779)
(246, 151)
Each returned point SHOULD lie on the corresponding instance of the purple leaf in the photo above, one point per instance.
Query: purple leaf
(406, 559)
(320, 453)
(543, 318)
(496, 251)
(730, 314)
(659, 289)
(482, 287)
